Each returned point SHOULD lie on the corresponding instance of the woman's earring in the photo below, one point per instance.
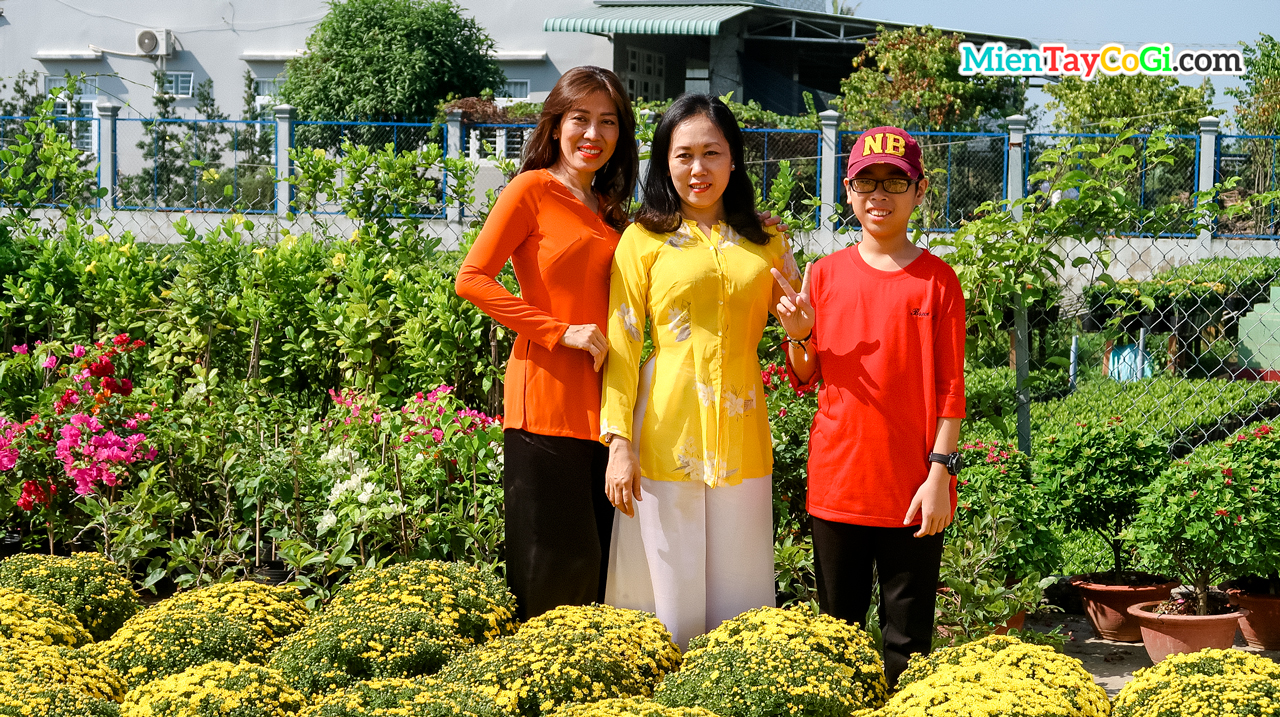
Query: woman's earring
(732, 167)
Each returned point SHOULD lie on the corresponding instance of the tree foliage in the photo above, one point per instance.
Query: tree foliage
(1141, 102)
(1259, 108)
(398, 58)
(911, 78)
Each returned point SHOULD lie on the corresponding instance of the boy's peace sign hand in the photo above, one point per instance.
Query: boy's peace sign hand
(794, 310)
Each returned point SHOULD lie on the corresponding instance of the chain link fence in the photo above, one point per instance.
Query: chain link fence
(765, 152)
(83, 134)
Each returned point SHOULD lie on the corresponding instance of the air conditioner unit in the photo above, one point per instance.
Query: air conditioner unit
(154, 42)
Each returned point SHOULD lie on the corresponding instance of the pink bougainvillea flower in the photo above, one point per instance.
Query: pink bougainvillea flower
(78, 351)
(50, 362)
(20, 349)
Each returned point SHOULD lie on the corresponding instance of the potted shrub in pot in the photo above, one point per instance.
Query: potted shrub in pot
(1259, 592)
(1095, 474)
(1203, 522)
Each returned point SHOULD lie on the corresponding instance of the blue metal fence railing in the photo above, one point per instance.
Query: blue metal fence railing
(1255, 159)
(965, 170)
(329, 136)
(195, 165)
(763, 149)
(1152, 185)
(82, 132)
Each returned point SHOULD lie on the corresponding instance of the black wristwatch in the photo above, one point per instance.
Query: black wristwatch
(952, 461)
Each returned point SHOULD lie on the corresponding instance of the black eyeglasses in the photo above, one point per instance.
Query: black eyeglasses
(893, 185)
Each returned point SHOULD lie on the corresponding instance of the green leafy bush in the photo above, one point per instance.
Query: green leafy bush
(229, 622)
(1095, 472)
(1207, 521)
(418, 697)
(1031, 546)
(88, 585)
(215, 689)
(404, 620)
(566, 655)
(771, 661)
(28, 618)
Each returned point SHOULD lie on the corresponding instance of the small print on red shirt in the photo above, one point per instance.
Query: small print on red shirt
(890, 348)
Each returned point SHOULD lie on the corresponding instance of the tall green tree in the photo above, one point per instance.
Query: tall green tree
(390, 58)
(911, 78)
(1258, 111)
(1136, 102)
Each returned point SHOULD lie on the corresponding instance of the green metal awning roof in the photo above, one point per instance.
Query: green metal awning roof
(647, 19)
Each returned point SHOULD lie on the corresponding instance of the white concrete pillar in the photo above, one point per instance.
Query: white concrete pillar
(107, 113)
(1205, 175)
(452, 150)
(284, 164)
(832, 172)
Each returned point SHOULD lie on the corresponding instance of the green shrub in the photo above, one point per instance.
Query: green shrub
(88, 585)
(1095, 473)
(1207, 521)
(28, 618)
(1032, 546)
(569, 654)
(229, 622)
(418, 697)
(401, 621)
(215, 689)
(772, 661)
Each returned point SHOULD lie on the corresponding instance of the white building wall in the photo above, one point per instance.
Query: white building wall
(220, 39)
(516, 26)
(214, 40)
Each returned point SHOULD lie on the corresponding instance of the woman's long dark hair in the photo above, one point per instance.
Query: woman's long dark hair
(616, 180)
(660, 211)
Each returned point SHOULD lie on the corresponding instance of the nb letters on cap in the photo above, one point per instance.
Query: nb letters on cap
(886, 145)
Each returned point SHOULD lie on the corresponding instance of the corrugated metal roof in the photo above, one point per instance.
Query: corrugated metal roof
(647, 20)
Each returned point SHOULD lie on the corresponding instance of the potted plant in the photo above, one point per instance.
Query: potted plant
(1096, 473)
(1258, 592)
(1203, 521)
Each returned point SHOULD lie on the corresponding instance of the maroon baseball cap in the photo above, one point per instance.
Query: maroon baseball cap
(885, 145)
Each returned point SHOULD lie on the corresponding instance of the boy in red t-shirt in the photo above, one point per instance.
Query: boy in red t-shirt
(881, 325)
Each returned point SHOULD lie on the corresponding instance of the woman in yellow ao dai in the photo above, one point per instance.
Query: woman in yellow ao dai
(690, 450)
(707, 300)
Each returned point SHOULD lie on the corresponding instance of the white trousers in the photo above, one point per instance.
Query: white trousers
(695, 556)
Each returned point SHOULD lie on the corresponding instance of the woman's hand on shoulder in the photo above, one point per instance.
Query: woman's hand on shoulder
(587, 337)
(771, 222)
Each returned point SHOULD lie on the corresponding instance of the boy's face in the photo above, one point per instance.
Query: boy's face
(880, 212)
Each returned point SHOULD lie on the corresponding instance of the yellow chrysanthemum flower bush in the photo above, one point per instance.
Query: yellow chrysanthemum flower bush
(31, 663)
(996, 676)
(1208, 682)
(771, 661)
(28, 618)
(630, 707)
(400, 697)
(88, 585)
(215, 689)
(404, 620)
(24, 697)
(224, 622)
(567, 655)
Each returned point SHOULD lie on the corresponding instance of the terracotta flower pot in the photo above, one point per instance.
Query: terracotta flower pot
(1261, 626)
(1107, 605)
(1165, 635)
(1014, 623)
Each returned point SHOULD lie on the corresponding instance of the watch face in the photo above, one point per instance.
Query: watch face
(957, 463)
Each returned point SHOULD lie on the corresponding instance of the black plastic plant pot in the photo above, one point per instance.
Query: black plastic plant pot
(10, 544)
(272, 572)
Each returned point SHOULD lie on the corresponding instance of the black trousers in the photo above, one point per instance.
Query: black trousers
(843, 556)
(559, 520)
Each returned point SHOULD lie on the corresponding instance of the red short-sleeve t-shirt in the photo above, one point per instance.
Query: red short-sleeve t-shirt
(890, 348)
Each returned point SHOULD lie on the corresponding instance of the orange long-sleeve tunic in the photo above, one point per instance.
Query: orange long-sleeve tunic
(562, 253)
